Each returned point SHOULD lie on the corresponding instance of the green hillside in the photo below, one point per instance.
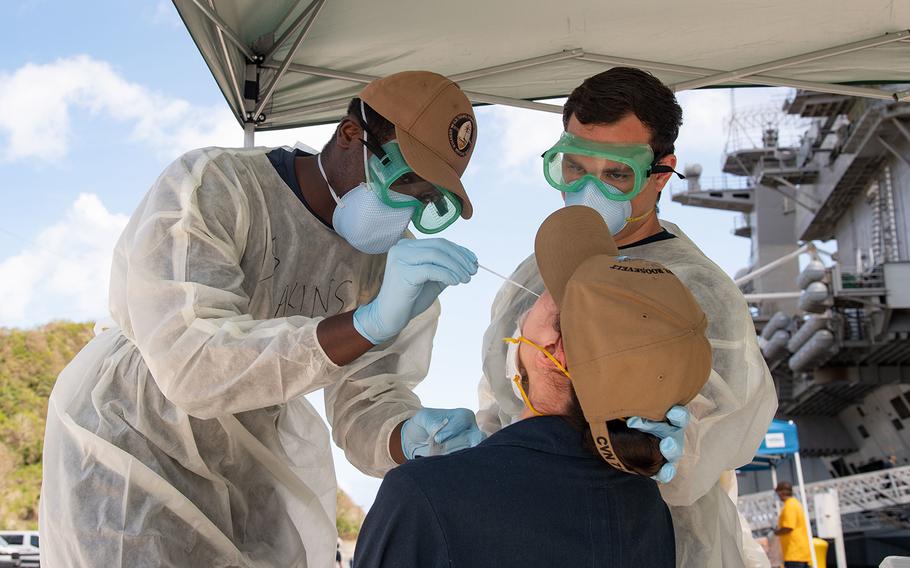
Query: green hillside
(30, 361)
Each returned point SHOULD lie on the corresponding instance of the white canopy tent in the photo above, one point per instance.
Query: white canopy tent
(288, 63)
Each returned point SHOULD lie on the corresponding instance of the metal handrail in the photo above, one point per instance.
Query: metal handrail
(862, 493)
(714, 183)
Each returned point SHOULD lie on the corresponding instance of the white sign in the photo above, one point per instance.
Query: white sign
(775, 440)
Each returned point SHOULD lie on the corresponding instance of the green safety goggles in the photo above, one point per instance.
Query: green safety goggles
(398, 186)
(573, 162)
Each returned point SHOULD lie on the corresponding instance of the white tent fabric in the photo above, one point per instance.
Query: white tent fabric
(512, 51)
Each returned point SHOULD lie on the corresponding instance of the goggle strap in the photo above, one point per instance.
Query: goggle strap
(664, 169)
(375, 148)
(442, 206)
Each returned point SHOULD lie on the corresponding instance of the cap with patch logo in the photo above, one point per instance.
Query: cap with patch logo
(634, 335)
(434, 125)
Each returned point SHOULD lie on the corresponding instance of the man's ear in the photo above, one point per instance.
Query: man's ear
(559, 351)
(555, 349)
(347, 133)
(660, 180)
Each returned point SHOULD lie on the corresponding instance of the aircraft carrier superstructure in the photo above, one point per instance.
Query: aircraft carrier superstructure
(822, 186)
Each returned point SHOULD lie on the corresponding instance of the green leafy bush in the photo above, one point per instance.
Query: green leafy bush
(30, 361)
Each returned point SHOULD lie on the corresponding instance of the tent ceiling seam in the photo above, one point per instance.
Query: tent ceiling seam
(767, 80)
(791, 61)
(520, 64)
(363, 79)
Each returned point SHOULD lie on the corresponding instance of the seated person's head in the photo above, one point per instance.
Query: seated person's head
(550, 392)
(612, 337)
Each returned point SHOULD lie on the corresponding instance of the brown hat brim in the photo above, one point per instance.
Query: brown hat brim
(432, 168)
(565, 240)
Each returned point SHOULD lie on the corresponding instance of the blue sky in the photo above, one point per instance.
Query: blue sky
(99, 97)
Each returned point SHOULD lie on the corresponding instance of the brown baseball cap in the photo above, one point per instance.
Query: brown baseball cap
(634, 335)
(434, 125)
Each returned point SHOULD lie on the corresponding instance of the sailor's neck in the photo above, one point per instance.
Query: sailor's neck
(314, 188)
(647, 228)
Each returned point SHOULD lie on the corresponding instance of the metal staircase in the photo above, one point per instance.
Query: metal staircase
(880, 499)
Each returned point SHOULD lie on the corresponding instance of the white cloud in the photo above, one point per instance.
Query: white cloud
(41, 98)
(165, 13)
(519, 137)
(66, 271)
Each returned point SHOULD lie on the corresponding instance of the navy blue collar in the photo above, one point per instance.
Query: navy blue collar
(549, 434)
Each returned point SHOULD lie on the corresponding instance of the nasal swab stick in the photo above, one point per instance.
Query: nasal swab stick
(512, 282)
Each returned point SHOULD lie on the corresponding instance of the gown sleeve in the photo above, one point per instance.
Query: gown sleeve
(187, 310)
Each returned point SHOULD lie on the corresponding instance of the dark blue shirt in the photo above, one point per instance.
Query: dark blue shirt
(529, 495)
(283, 160)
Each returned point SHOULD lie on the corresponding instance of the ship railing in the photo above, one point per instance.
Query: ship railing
(858, 495)
(870, 283)
(712, 183)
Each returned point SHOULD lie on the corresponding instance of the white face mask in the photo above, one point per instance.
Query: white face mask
(616, 214)
(368, 224)
(362, 219)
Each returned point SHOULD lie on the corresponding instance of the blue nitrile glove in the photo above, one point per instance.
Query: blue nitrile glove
(437, 431)
(416, 272)
(672, 438)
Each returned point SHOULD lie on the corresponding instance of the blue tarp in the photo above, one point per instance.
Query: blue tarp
(780, 440)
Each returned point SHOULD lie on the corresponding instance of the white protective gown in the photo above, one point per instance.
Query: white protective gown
(729, 417)
(182, 436)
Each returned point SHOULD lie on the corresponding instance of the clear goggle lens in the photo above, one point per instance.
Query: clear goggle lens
(569, 172)
(618, 170)
(396, 184)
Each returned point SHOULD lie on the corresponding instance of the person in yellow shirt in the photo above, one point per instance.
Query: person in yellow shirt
(791, 527)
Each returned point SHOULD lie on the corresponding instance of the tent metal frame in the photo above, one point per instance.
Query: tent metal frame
(751, 75)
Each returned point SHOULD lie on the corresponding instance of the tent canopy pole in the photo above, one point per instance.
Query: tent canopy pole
(224, 27)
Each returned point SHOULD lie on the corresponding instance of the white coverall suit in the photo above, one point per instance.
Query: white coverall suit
(729, 417)
(182, 436)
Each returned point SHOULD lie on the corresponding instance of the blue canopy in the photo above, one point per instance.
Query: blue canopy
(780, 440)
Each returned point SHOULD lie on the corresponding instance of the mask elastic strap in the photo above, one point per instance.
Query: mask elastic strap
(331, 191)
(524, 396)
(523, 339)
(640, 217)
(517, 378)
